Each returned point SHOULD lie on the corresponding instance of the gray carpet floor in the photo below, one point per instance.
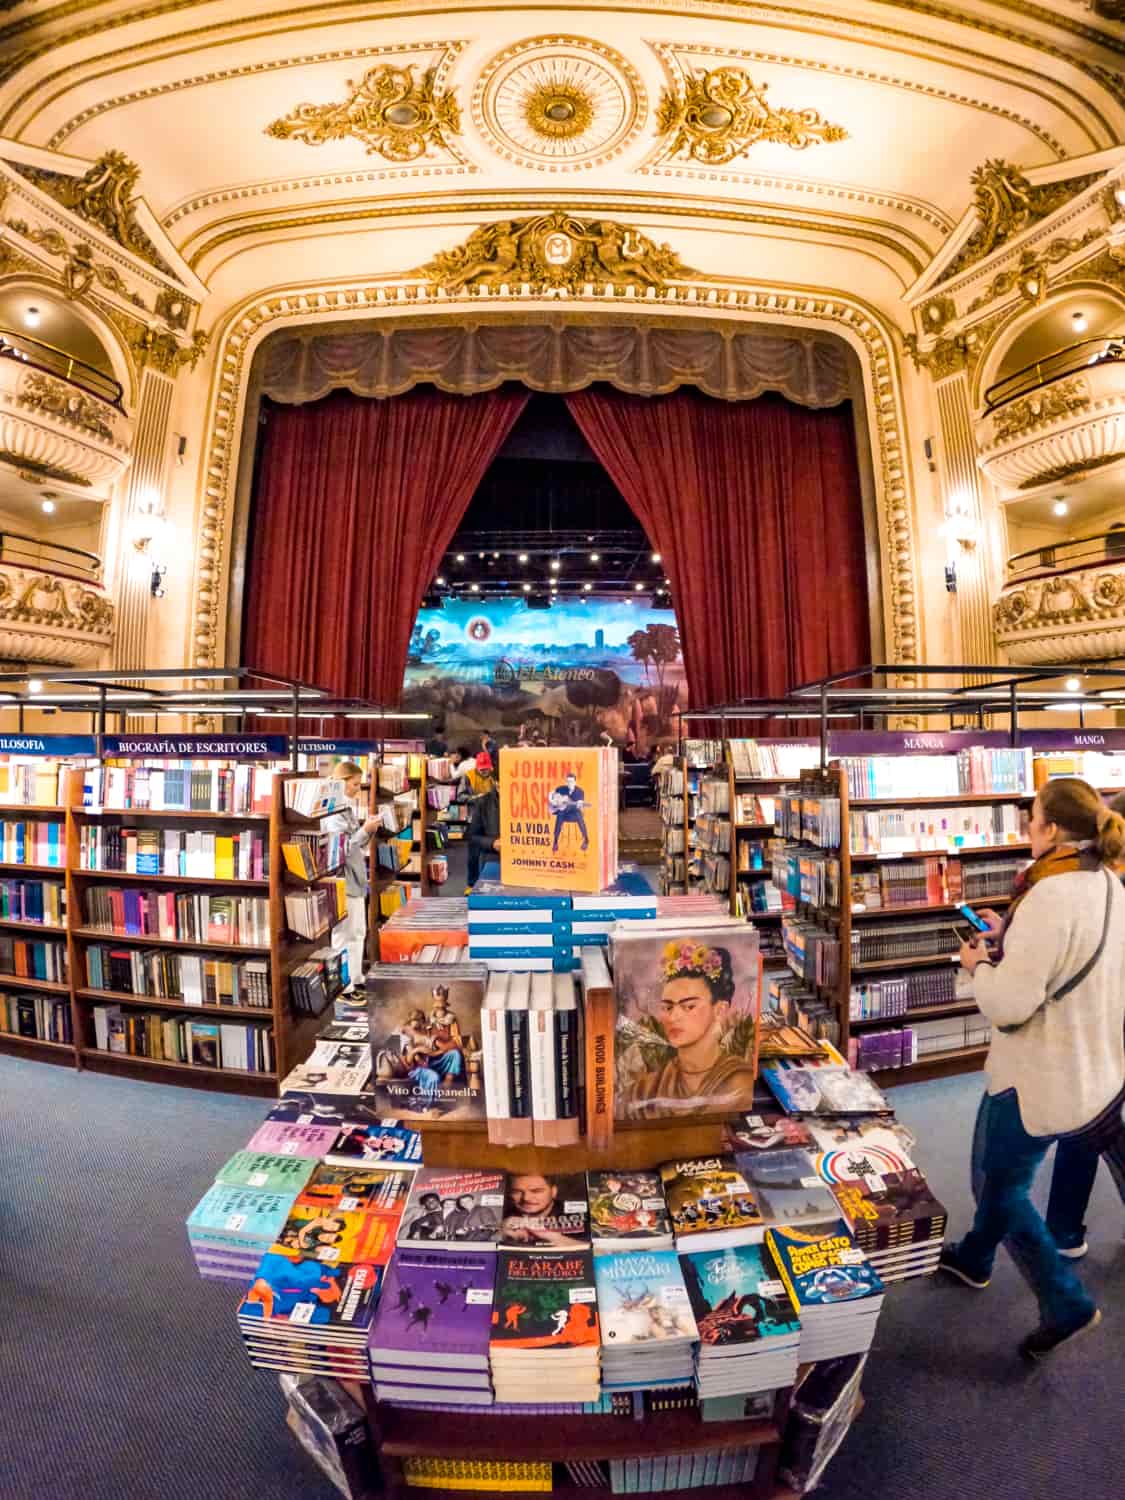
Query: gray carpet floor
(122, 1374)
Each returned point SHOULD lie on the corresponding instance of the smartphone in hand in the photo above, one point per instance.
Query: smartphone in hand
(976, 922)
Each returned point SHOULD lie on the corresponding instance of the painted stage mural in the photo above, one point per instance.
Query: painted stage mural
(570, 672)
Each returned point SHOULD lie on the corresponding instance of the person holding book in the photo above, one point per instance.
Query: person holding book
(351, 933)
(1050, 982)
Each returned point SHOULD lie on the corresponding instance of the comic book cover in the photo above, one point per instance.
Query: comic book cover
(363, 1190)
(436, 1308)
(426, 1040)
(737, 1297)
(627, 1209)
(822, 1270)
(335, 1235)
(709, 1195)
(291, 1291)
(787, 1187)
(545, 1301)
(687, 1006)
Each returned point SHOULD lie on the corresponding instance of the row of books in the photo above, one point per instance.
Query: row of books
(190, 978)
(751, 810)
(180, 786)
(811, 950)
(974, 771)
(314, 796)
(33, 901)
(878, 942)
(661, 1473)
(314, 912)
(243, 1046)
(713, 833)
(202, 854)
(531, 930)
(44, 1017)
(37, 781)
(315, 983)
(202, 918)
(940, 880)
(752, 759)
(531, 1048)
(900, 1047)
(810, 816)
(714, 797)
(309, 855)
(33, 841)
(894, 995)
(801, 1005)
(910, 830)
(33, 958)
(811, 876)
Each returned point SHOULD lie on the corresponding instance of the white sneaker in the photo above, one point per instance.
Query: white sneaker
(1074, 1252)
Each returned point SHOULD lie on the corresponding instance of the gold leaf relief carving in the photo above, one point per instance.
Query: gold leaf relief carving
(721, 113)
(392, 113)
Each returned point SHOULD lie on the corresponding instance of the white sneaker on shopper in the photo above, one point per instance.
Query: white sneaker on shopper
(1074, 1252)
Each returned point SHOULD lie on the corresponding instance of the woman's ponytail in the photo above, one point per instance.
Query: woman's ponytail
(1080, 813)
(1110, 839)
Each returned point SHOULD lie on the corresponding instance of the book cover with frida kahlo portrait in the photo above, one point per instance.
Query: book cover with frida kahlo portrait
(558, 818)
(686, 1028)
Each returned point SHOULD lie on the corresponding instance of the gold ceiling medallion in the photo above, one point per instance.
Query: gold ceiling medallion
(103, 197)
(722, 113)
(553, 252)
(393, 114)
(1006, 204)
(550, 102)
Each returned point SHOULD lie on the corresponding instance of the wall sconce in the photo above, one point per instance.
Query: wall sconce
(156, 580)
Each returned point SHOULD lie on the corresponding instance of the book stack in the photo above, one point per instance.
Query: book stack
(546, 1339)
(430, 1337)
(531, 1055)
(312, 1299)
(749, 1330)
(231, 1228)
(33, 958)
(199, 853)
(440, 920)
(454, 1206)
(300, 1138)
(974, 771)
(314, 984)
(754, 760)
(711, 1204)
(628, 1211)
(647, 1326)
(919, 830)
(384, 1143)
(629, 898)
(485, 1476)
(336, 1069)
(837, 1295)
(827, 1090)
(687, 1471)
(229, 1045)
(513, 928)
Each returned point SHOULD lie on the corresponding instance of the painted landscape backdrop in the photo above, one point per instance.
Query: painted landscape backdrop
(571, 670)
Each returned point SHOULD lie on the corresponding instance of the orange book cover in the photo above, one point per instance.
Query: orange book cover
(555, 816)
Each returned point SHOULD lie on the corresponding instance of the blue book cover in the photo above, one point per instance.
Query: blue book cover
(239, 1216)
(822, 1270)
(737, 1297)
(495, 896)
(642, 1297)
(501, 929)
(824, 1091)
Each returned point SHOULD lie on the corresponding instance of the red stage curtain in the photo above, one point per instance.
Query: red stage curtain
(756, 509)
(356, 502)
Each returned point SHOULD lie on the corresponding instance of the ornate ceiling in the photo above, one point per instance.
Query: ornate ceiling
(822, 151)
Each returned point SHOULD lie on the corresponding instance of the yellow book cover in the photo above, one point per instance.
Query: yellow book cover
(555, 815)
(224, 857)
(296, 860)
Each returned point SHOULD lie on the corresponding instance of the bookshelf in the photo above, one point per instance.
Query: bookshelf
(379, 879)
(676, 798)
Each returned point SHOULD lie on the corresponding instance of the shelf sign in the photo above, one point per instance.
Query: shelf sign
(1074, 739)
(198, 746)
(337, 747)
(48, 744)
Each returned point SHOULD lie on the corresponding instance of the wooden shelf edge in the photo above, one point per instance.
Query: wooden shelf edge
(937, 1065)
(102, 934)
(36, 1041)
(181, 1007)
(18, 982)
(169, 812)
(923, 1013)
(95, 1055)
(257, 883)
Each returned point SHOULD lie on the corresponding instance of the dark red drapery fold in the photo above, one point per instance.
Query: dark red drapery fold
(356, 503)
(757, 512)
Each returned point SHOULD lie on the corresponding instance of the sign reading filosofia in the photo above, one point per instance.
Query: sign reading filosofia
(48, 744)
(197, 746)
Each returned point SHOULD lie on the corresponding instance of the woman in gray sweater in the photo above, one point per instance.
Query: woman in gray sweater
(1050, 982)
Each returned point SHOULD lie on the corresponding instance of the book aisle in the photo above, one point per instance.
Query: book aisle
(555, 1203)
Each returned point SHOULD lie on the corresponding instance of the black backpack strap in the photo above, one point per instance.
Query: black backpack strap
(1087, 968)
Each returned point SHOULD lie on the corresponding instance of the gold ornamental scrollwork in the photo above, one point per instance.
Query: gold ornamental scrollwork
(720, 114)
(1006, 204)
(945, 357)
(395, 115)
(556, 251)
(41, 392)
(1061, 399)
(152, 346)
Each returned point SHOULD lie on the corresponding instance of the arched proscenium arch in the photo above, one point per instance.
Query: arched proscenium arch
(244, 328)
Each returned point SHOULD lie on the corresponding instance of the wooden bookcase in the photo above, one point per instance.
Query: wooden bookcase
(293, 1034)
(379, 880)
(669, 885)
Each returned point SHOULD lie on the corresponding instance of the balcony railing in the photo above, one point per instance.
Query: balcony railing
(52, 557)
(1079, 552)
(38, 355)
(1064, 602)
(1070, 361)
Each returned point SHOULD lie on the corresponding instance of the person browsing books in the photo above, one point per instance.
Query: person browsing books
(484, 831)
(351, 933)
(1050, 983)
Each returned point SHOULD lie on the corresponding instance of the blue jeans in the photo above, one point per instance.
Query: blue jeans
(1076, 1166)
(1005, 1160)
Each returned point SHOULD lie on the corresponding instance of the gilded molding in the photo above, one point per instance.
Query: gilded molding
(554, 102)
(392, 113)
(1062, 398)
(1032, 274)
(32, 471)
(556, 251)
(46, 599)
(1006, 204)
(80, 269)
(104, 197)
(719, 114)
(947, 356)
(41, 392)
(721, 297)
(1070, 470)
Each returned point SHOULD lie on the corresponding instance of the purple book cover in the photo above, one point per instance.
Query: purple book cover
(284, 1138)
(436, 1308)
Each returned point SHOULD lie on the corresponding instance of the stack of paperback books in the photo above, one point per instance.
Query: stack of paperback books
(335, 1068)
(711, 1204)
(515, 928)
(437, 920)
(454, 1206)
(310, 1304)
(648, 1330)
(231, 1227)
(627, 1211)
(824, 1090)
(546, 1338)
(430, 1338)
(837, 1295)
(749, 1331)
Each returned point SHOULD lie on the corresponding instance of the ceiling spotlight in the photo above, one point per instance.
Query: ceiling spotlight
(527, 588)
(480, 554)
(586, 587)
(637, 587)
(439, 579)
(523, 557)
(1073, 685)
(1060, 507)
(460, 557)
(34, 685)
(1078, 322)
(48, 507)
(656, 557)
(31, 317)
(595, 556)
(474, 588)
(496, 554)
(555, 565)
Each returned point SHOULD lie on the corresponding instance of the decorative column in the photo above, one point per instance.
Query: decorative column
(144, 496)
(961, 493)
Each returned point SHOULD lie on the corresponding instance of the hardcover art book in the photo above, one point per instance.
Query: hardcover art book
(710, 1203)
(893, 1208)
(642, 1298)
(847, 1150)
(736, 1296)
(545, 1302)
(435, 1309)
(546, 1210)
(558, 818)
(825, 1091)
(787, 1187)
(426, 1040)
(627, 1211)
(454, 1207)
(687, 1008)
